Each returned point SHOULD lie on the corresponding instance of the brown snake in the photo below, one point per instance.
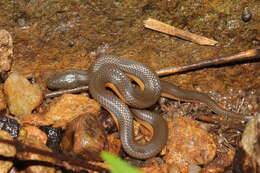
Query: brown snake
(116, 73)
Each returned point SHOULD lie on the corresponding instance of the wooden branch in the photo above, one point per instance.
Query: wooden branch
(171, 30)
(245, 55)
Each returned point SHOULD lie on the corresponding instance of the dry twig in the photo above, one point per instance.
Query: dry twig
(171, 30)
(67, 91)
(60, 157)
(245, 55)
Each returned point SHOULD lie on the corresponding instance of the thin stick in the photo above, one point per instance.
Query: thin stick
(171, 30)
(67, 91)
(245, 55)
(60, 157)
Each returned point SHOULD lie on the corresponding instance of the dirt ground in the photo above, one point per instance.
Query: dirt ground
(55, 35)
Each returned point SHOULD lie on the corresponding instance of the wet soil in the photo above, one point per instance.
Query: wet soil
(56, 35)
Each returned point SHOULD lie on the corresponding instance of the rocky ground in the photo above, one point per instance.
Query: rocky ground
(50, 36)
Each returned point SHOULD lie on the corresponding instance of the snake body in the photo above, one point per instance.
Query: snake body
(115, 70)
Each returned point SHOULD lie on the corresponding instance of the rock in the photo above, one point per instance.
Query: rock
(10, 125)
(62, 111)
(246, 14)
(22, 96)
(85, 137)
(5, 149)
(69, 106)
(2, 99)
(194, 169)
(37, 119)
(247, 158)
(34, 132)
(250, 139)
(5, 166)
(54, 137)
(188, 144)
(6, 50)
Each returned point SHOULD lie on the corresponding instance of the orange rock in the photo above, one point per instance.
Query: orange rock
(32, 131)
(5, 149)
(70, 106)
(62, 111)
(5, 166)
(22, 96)
(36, 120)
(189, 144)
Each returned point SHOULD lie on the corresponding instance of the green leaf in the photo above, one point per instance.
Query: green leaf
(117, 165)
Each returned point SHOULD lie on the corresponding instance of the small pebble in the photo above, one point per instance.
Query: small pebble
(194, 169)
(246, 14)
(54, 137)
(9, 125)
(6, 50)
(5, 149)
(174, 169)
(22, 96)
(35, 132)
